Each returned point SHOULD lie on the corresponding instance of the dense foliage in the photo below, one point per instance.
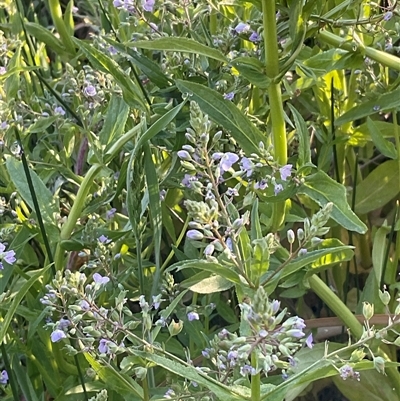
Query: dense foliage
(199, 200)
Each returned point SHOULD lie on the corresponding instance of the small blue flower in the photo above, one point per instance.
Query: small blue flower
(4, 377)
(84, 305)
(103, 239)
(229, 96)
(388, 16)
(285, 172)
(254, 37)
(103, 346)
(227, 160)
(261, 185)
(193, 316)
(59, 110)
(247, 166)
(347, 371)
(242, 27)
(278, 188)
(63, 324)
(148, 5)
(90, 91)
(110, 213)
(57, 335)
(246, 370)
(7, 256)
(99, 279)
(309, 341)
(3, 70)
(169, 394)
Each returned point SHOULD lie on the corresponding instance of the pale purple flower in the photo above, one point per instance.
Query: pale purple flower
(112, 50)
(247, 166)
(229, 96)
(246, 370)
(148, 5)
(169, 394)
(285, 172)
(275, 305)
(157, 301)
(110, 213)
(232, 192)
(229, 243)
(242, 27)
(59, 110)
(254, 37)
(303, 251)
(90, 91)
(84, 305)
(388, 16)
(63, 324)
(103, 346)
(309, 341)
(278, 188)
(3, 70)
(261, 185)
(4, 377)
(296, 333)
(103, 239)
(227, 160)
(193, 316)
(7, 256)
(57, 335)
(187, 180)
(298, 323)
(347, 371)
(118, 3)
(99, 279)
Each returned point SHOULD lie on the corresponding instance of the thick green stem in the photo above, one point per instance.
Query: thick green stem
(75, 212)
(213, 22)
(275, 98)
(336, 305)
(255, 380)
(377, 55)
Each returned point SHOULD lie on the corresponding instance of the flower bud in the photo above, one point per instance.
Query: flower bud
(195, 235)
(368, 310)
(140, 372)
(188, 148)
(184, 155)
(379, 364)
(290, 236)
(175, 328)
(385, 297)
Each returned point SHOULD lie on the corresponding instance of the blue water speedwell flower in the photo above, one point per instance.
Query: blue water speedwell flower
(3, 70)
(193, 316)
(8, 256)
(57, 335)
(285, 172)
(118, 3)
(103, 346)
(247, 369)
(229, 96)
(103, 239)
(110, 213)
(309, 341)
(242, 27)
(261, 185)
(90, 91)
(99, 279)
(59, 110)
(84, 305)
(388, 16)
(278, 188)
(63, 324)
(4, 377)
(254, 37)
(347, 371)
(227, 160)
(247, 166)
(148, 5)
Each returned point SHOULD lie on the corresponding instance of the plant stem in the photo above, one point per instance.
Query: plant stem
(75, 212)
(255, 380)
(336, 305)
(275, 99)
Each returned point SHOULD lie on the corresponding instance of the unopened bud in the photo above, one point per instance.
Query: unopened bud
(184, 155)
(175, 328)
(368, 310)
(385, 297)
(290, 236)
(195, 235)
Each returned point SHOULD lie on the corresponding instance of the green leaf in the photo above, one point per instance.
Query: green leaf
(23, 379)
(253, 70)
(303, 135)
(45, 36)
(175, 44)
(380, 186)
(211, 285)
(385, 147)
(17, 300)
(387, 101)
(216, 268)
(148, 67)
(11, 86)
(42, 124)
(122, 384)
(116, 117)
(131, 92)
(226, 114)
(323, 189)
(222, 392)
(45, 199)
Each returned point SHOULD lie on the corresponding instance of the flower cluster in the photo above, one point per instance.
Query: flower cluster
(7, 256)
(275, 341)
